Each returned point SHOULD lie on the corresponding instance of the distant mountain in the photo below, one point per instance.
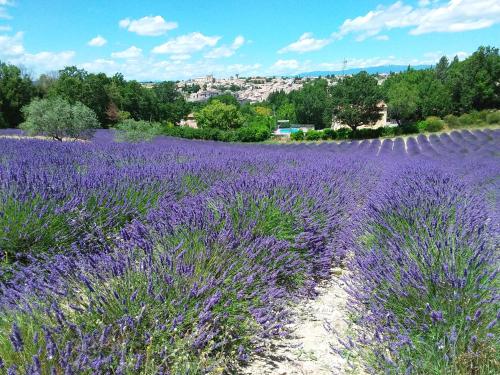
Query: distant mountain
(371, 70)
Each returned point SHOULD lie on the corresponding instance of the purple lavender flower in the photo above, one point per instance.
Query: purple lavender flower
(15, 338)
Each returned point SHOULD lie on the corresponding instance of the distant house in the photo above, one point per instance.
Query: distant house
(203, 95)
(189, 122)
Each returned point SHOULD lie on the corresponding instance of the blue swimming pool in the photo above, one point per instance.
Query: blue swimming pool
(287, 130)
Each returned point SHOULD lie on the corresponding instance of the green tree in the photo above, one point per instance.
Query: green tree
(402, 102)
(312, 104)
(287, 112)
(434, 97)
(69, 84)
(226, 99)
(16, 90)
(420, 91)
(44, 83)
(356, 99)
(442, 68)
(57, 118)
(277, 98)
(477, 78)
(140, 102)
(220, 116)
(172, 107)
(166, 92)
(77, 85)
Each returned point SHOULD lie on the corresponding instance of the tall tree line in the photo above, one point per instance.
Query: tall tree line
(454, 87)
(111, 98)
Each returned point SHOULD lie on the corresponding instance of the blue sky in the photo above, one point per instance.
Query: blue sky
(174, 39)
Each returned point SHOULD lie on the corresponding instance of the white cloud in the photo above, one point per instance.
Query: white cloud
(382, 37)
(149, 25)
(43, 61)
(11, 45)
(130, 53)
(98, 41)
(186, 44)
(454, 16)
(238, 42)
(12, 50)
(5, 28)
(283, 65)
(101, 65)
(177, 67)
(306, 43)
(226, 51)
(148, 68)
(47, 60)
(461, 55)
(180, 57)
(4, 14)
(459, 15)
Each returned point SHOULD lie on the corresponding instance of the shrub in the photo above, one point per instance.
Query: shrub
(343, 133)
(298, 136)
(493, 117)
(253, 133)
(407, 129)
(481, 115)
(313, 135)
(390, 131)
(431, 124)
(135, 131)
(57, 118)
(434, 124)
(452, 121)
(258, 120)
(329, 133)
(367, 133)
(467, 119)
(3, 123)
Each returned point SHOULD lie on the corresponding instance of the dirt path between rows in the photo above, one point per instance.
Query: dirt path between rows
(308, 350)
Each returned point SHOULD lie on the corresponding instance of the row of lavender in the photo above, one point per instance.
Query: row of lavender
(182, 257)
(423, 288)
(170, 257)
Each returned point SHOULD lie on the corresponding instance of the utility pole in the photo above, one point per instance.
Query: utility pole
(344, 65)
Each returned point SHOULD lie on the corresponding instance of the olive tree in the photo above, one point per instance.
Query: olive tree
(57, 118)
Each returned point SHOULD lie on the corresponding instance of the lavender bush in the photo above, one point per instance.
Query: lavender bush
(178, 256)
(424, 278)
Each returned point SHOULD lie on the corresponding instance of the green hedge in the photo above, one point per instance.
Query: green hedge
(136, 131)
(252, 133)
(367, 133)
(473, 119)
(431, 124)
(258, 131)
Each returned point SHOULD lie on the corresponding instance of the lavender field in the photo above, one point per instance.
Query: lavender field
(185, 257)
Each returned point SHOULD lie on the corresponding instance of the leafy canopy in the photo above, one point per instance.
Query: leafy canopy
(57, 118)
(356, 99)
(218, 115)
(16, 90)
